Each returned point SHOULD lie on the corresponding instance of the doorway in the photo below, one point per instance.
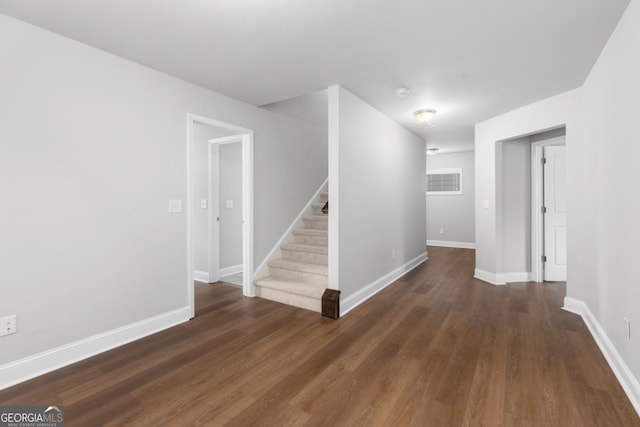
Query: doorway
(196, 142)
(224, 221)
(549, 210)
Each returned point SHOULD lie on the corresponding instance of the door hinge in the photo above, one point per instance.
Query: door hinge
(544, 209)
(218, 218)
(543, 160)
(544, 258)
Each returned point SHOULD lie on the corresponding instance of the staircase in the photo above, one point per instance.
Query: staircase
(299, 277)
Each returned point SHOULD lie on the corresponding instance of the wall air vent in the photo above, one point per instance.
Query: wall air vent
(444, 182)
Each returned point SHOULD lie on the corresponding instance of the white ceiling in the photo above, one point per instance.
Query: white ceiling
(470, 60)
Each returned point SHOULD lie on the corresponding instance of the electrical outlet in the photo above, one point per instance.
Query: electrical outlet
(393, 254)
(442, 231)
(627, 329)
(8, 325)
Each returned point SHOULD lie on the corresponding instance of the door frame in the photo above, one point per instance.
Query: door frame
(247, 203)
(213, 223)
(537, 202)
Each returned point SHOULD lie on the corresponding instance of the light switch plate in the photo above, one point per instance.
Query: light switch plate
(175, 206)
(203, 203)
(229, 204)
(8, 325)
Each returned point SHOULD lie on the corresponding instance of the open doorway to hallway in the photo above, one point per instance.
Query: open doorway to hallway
(220, 237)
(532, 205)
(224, 225)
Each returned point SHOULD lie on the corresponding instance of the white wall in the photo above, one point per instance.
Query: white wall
(606, 184)
(515, 184)
(603, 183)
(555, 112)
(311, 107)
(376, 197)
(230, 217)
(453, 213)
(92, 147)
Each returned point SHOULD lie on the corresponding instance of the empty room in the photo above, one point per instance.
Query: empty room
(243, 213)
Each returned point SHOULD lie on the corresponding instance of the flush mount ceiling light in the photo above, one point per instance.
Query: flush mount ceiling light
(432, 151)
(424, 117)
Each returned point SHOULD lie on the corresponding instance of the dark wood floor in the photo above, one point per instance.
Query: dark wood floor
(436, 348)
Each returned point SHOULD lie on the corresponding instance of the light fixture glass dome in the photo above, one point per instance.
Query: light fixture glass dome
(424, 117)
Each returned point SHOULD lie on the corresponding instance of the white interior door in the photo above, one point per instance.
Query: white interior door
(555, 218)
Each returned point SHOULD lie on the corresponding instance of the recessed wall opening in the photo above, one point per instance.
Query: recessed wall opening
(532, 210)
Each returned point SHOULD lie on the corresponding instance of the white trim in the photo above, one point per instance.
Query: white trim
(515, 277)
(622, 372)
(190, 291)
(501, 278)
(274, 253)
(228, 271)
(226, 139)
(248, 288)
(247, 204)
(354, 300)
(454, 151)
(485, 276)
(202, 277)
(573, 305)
(213, 225)
(39, 364)
(451, 244)
(333, 153)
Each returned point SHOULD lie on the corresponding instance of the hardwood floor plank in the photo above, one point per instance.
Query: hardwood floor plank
(437, 347)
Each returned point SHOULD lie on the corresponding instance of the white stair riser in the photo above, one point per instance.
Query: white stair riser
(310, 240)
(312, 257)
(316, 224)
(307, 303)
(300, 276)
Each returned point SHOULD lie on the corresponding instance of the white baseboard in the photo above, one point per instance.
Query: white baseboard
(501, 278)
(485, 276)
(228, 271)
(450, 244)
(622, 372)
(201, 276)
(354, 300)
(30, 367)
(573, 305)
(515, 277)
